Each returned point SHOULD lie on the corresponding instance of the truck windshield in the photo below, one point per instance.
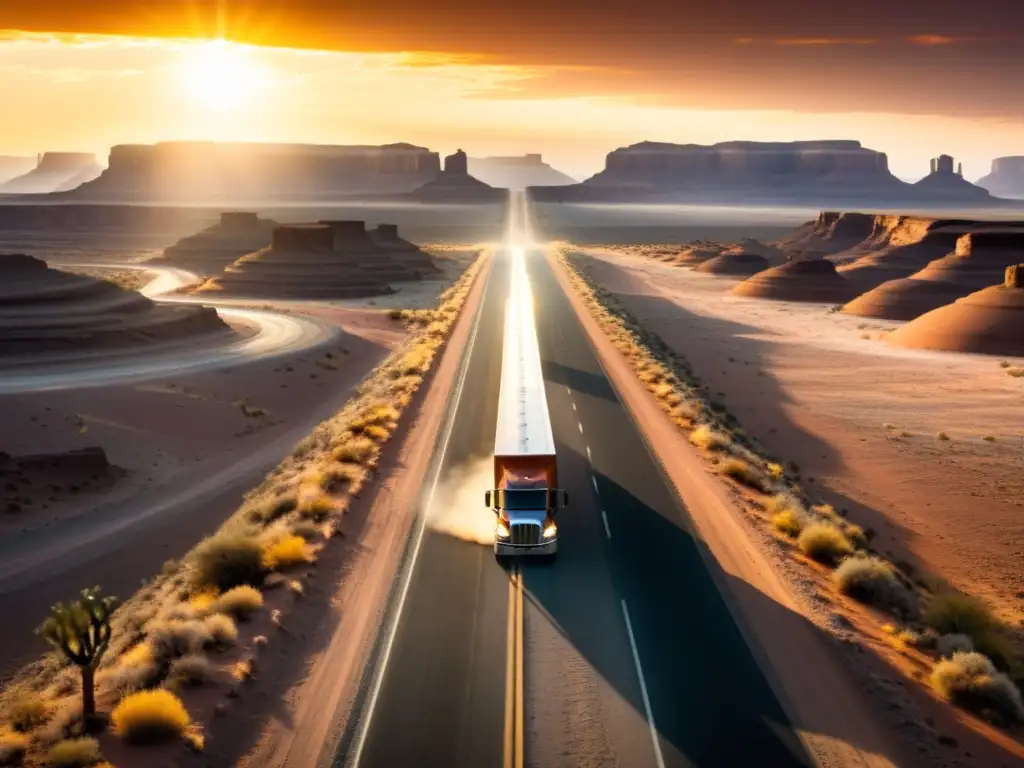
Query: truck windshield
(525, 499)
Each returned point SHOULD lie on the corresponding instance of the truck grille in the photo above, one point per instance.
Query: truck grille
(525, 534)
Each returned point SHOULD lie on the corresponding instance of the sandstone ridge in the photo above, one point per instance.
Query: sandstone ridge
(55, 172)
(810, 281)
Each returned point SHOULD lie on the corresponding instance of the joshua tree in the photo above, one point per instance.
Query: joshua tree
(82, 632)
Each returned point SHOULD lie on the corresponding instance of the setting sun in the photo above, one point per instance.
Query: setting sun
(222, 75)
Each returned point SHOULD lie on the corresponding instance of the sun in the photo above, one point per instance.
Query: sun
(222, 75)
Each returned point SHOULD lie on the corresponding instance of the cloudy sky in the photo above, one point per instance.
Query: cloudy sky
(568, 78)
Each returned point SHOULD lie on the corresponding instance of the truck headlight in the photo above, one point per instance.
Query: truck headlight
(501, 530)
(550, 531)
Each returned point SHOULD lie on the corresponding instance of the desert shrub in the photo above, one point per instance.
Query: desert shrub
(192, 670)
(74, 753)
(26, 712)
(947, 645)
(942, 436)
(971, 681)
(952, 613)
(150, 716)
(706, 438)
(169, 640)
(317, 508)
(788, 523)
(355, 450)
(285, 552)
(132, 677)
(871, 580)
(240, 602)
(306, 529)
(222, 630)
(824, 542)
(13, 747)
(276, 508)
(855, 534)
(228, 560)
(743, 473)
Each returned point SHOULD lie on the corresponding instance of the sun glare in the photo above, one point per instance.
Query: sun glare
(222, 75)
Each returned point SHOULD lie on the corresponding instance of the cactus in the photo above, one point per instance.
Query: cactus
(81, 631)
(1015, 276)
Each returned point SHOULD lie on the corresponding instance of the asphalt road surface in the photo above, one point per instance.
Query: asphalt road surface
(620, 652)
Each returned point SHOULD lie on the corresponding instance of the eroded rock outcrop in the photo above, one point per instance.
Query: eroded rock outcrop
(946, 181)
(55, 172)
(455, 185)
(811, 281)
(208, 252)
(979, 260)
(331, 259)
(990, 321)
(1006, 178)
(203, 172)
(45, 312)
(517, 172)
(734, 264)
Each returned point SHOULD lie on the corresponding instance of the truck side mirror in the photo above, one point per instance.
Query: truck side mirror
(565, 498)
(487, 499)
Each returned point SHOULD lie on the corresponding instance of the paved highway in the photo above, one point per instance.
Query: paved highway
(621, 652)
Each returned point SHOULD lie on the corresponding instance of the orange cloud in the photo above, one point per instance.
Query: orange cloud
(932, 40)
(810, 42)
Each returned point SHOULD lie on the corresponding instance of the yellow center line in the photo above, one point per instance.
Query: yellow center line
(519, 672)
(510, 670)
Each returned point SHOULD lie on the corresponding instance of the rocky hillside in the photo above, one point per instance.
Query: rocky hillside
(1006, 178)
(517, 172)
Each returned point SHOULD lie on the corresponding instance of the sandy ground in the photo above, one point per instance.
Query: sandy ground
(861, 419)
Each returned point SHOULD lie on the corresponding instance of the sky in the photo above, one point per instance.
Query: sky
(570, 79)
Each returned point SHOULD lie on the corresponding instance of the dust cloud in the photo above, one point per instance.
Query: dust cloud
(458, 507)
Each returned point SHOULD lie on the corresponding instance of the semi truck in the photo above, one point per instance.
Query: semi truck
(526, 496)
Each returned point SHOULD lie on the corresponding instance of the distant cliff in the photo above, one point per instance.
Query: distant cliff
(1006, 178)
(799, 172)
(517, 172)
(196, 172)
(55, 172)
(944, 181)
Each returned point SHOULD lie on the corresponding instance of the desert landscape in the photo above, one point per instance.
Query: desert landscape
(533, 387)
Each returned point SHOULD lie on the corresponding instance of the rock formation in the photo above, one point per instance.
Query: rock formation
(55, 172)
(943, 181)
(697, 253)
(46, 312)
(990, 321)
(455, 185)
(1006, 178)
(734, 263)
(325, 260)
(207, 172)
(812, 281)
(831, 232)
(517, 172)
(801, 172)
(979, 260)
(211, 250)
(12, 166)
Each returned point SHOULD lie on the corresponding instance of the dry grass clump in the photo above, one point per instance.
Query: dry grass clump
(356, 450)
(276, 508)
(872, 580)
(285, 552)
(74, 753)
(191, 671)
(150, 716)
(971, 681)
(228, 560)
(222, 630)
(856, 535)
(307, 529)
(240, 602)
(27, 711)
(169, 640)
(318, 508)
(825, 543)
(955, 614)
(744, 474)
(13, 747)
(788, 522)
(708, 439)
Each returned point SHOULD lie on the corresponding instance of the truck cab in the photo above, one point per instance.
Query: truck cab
(525, 519)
